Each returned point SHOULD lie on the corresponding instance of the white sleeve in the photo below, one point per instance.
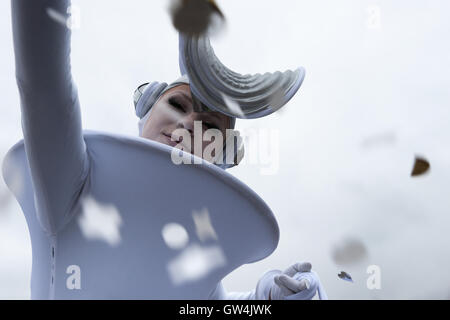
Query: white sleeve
(51, 116)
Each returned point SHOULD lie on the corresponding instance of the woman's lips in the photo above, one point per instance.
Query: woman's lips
(169, 140)
(178, 142)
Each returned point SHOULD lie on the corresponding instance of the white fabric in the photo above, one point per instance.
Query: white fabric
(96, 204)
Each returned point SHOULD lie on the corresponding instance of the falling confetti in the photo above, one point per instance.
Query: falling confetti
(421, 166)
(57, 16)
(71, 20)
(345, 276)
(175, 236)
(100, 222)
(233, 106)
(349, 251)
(195, 262)
(195, 17)
(203, 225)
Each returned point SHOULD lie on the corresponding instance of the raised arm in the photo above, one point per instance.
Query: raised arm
(51, 119)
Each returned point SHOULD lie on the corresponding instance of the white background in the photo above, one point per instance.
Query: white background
(374, 96)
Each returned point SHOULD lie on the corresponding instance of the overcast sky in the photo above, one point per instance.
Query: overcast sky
(376, 94)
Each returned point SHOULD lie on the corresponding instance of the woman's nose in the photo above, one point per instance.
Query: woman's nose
(187, 123)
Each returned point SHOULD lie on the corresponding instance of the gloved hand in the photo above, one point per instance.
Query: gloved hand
(285, 284)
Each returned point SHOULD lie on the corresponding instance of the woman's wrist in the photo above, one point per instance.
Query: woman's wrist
(264, 285)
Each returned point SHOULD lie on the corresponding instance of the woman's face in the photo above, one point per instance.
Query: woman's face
(174, 110)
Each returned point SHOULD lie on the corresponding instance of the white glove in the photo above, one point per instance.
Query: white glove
(297, 282)
(285, 284)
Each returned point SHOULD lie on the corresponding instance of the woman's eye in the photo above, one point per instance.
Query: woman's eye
(176, 104)
(210, 125)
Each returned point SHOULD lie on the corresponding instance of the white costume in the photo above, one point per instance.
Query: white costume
(65, 179)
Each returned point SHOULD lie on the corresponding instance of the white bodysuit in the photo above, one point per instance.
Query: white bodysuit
(72, 185)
